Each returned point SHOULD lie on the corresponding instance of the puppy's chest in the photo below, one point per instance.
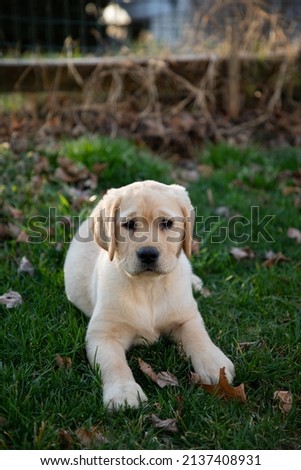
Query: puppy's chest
(152, 315)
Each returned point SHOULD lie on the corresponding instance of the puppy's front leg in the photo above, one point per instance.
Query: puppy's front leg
(106, 348)
(206, 357)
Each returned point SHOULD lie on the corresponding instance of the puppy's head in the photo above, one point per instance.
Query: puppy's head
(144, 226)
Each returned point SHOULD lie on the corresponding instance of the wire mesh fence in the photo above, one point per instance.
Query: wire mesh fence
(101, 27)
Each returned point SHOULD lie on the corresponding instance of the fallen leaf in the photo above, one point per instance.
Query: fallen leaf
(63, 362)
(166, 424)
(14, 212)
(98, 168)
(42, 165)
(295, 234)
(288, 190)
(222, 388)
(70, 171)
(62, 175)
(25, 266)
(90, 437)
(16, 233)
(246, 344)
(11, 299)
(163, 379)
(242, 253)
(285, 400)
(206, 170)
(66, 441)
(272, 258)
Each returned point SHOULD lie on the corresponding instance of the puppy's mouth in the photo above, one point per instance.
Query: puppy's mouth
(150, 269)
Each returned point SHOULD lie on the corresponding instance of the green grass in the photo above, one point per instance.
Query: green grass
(127, 163)
(249, 303)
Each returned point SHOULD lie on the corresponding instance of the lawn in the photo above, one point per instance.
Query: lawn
(51, 399)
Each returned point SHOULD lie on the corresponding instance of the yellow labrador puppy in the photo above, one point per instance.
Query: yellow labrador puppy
(127, 269)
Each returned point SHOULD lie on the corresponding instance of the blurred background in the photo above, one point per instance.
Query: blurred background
(102, 27)
(172, 74)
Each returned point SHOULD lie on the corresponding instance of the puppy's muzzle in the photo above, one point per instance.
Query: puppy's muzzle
(148, 256)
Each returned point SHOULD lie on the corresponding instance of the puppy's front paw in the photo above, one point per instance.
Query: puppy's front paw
(210, 363)
(123, 394)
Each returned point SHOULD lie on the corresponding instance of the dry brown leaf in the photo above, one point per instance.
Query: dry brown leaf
(66, 440)
(11, 299)
(14, 212)
(272, 258)
(242, 253)
(25, 266)
(206, 170)
(166, 424)
(42, 165)
(70, 172)
(288, 190)
(162, 379)
(246, 344)
(15, 232)
(295, 234)
(285, 400)
(90, 437)
(222, 388)
(63, 362)
(98, 168)
(62, 175)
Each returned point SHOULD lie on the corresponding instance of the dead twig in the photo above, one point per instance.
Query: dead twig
(200, 98)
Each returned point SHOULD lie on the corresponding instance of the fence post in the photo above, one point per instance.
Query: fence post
(234, 72)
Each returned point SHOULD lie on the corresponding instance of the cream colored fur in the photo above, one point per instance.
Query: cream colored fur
(105, 278)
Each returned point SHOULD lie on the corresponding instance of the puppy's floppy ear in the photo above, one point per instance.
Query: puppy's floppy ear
(103, 221)
(188, 214)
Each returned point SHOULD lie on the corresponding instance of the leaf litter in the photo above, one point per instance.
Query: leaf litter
(295, 234)
(162, 379)
(90, 437)
(168, 424)
(284, 399)
(25, 266)
(63, 362)
(271, 258)
(242, 253)
(222, 389)
(11, 299)
(86, 438)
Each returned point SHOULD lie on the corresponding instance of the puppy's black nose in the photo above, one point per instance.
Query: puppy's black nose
(148, 254)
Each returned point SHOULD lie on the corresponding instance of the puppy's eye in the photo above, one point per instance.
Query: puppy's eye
(129, 225)
(166, 224)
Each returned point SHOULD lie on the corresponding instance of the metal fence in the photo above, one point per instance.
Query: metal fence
(44, 26)
(81, 26)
